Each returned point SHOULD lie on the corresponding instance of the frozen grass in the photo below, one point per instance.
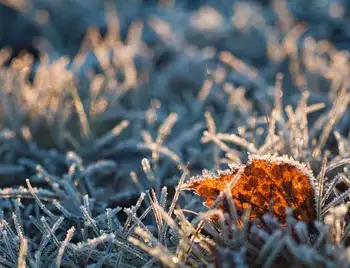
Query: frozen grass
(95, 146)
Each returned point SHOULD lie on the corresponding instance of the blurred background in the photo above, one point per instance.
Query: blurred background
(117, 80)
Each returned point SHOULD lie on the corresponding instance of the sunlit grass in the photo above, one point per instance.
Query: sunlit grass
(94, 148)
